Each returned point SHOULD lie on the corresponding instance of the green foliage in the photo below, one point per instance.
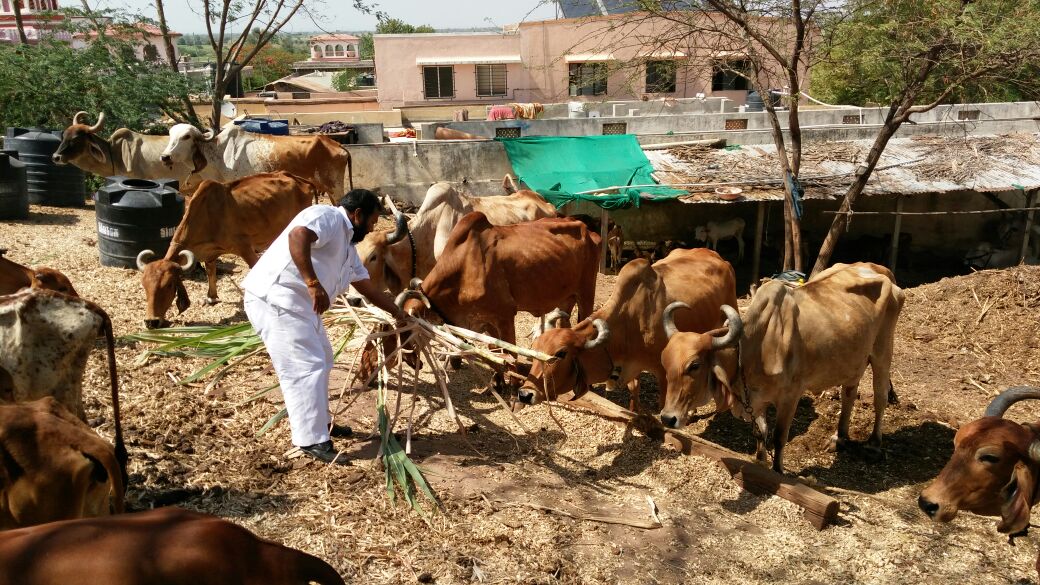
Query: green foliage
(394, 26)
(985, 53)
(366, 47)
(271, 63)
(45, 84)
(346, 80)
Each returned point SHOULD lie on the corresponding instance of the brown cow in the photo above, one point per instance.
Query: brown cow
(125, 153)
(168, 546)
(393, 260)
(790, 341)
(45, 340)
(626, 334)
(15, 277)
(54, 467)
(235, 153)
(994, 470)
(238, 218)
(488, 273)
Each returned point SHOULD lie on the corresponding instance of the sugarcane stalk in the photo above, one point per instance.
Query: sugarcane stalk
(530, 353)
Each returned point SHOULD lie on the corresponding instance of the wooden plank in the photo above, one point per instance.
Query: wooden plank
(895, 235)
(756, 260)
(1030, 202)
(819, 509)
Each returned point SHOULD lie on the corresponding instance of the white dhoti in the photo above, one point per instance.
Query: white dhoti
(302, 357)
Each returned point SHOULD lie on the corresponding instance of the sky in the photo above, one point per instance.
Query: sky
(335, 15)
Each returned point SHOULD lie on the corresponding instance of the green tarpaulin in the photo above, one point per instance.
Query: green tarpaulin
(558, 167)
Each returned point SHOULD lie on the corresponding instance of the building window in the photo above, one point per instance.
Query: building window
(588, 79)
(439, 82)
(339, 50)
(351, 48)
(151, 53)
(731, 76)
(328, 50)
(660, 76)
(491, 80)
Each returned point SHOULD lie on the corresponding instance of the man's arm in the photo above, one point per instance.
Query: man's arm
(378, 298)
(300, 241)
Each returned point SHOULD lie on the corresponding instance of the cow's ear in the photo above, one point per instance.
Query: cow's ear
(1018, 499)
(723, 362)
(390, 279)
(183, 302)
(778, 346)
(197, 158)
(96, 152)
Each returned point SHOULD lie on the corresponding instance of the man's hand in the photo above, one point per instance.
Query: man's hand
(381, 300)
(319, 297)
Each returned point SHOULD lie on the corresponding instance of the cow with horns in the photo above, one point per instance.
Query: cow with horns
(235, 153)
(626, 335)
(240, 217)
(392, 262)
(790, 340)
(488, 273)
(125, 153)
(15, 277)
(994, 470)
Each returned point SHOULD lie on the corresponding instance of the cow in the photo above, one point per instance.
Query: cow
(713, 232)
(441, 133)
(792, 339)
(54, 467)
(994, 470)
(626, 334)
(615, 242)
(15, 277)
(488, 273)
(125, 153)
(392, 260)
(45, 340)
(235, 153)
(239, 217)
(167, 546)
(985, 256)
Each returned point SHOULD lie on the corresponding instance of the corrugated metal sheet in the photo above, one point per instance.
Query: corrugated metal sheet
(923, 165)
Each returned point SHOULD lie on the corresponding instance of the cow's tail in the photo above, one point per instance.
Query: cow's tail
(121, 454)
(350, 168)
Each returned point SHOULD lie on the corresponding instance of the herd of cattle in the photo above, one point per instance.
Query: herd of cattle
(470, 262)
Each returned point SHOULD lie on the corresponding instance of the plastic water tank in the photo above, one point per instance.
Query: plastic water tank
(754, 102)
(46, 182)
(14, 199)
(135, 215)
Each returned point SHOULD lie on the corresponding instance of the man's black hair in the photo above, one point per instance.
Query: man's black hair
(362, 199)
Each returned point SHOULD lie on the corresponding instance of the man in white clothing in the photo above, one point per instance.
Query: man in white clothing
(312, 261)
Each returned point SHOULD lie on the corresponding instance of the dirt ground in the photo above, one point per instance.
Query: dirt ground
(959, 342)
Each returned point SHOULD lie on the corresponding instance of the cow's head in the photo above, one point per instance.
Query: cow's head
(572, 355)
(698, 366)
(162, 281)
(993, 470)
(413, 302)
(51, 279)
(389, 266)
(185, 147)
(79, 141)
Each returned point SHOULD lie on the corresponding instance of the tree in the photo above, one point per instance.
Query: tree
(366, 47)
(346, 80)
(18, 22)
(272, 63)
(918, 54)
(394, 26)
(160, 10)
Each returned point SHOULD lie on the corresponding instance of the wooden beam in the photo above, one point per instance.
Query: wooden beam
(818, 509)
(1030, 202)
(756, 259)
(895, 235)
(604, 217)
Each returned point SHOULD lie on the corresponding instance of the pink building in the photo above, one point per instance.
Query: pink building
(35, 20)
(553, 61)
(334, 52)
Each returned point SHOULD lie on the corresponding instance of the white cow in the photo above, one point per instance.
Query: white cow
(715, 231)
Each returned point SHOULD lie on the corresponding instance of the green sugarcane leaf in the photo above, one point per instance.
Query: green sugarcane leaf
(271, 422)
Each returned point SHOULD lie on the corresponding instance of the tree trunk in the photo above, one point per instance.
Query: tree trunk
(18, 22)
(189, 110)
(792, 231)
(863, 173)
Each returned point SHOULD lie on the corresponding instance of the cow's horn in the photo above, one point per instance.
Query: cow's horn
(401, 231)
(999, 405)
(208, 135)
(97, 126)
(189, 259)
(143, 258)
(602, 334)
(669, 320)
(411, 294)
(79, 114)
(555, 316)
(736, 326)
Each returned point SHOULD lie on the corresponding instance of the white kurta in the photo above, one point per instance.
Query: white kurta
(281, 310)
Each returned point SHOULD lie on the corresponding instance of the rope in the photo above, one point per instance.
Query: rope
(981, 211)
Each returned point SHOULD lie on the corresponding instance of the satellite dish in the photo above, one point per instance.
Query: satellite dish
(228, 110)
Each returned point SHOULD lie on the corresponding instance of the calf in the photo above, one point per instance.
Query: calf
(15, 277)
(240, 217)
(168, 546)
(994, 470)
(615, 241)
(53, 467)
(713, 232)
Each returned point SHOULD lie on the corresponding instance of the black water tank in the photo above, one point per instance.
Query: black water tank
(754, 102)
(48, 183)
(135, 215)
(14, 199)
